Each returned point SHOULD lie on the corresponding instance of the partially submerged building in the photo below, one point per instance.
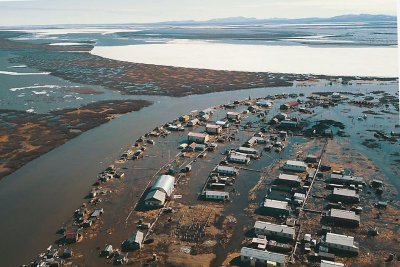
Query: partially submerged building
(233, 115)
(213, 129)
(200, 138)
(254, 256)
(274, 230)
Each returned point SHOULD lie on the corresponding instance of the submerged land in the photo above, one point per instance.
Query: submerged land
(25, 136)
(190, 228)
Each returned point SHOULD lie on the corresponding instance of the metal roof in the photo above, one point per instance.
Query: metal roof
(345, 192)
(156, 194)
(165, 183)
(290, 177)
(347, 178)
(201, 135)
(343, 240)
(226, 168)
(276, 204)
(216, 193)
(296, 163)
(263, 255)
(213, 126)
(136, 237)
(274, 227)
(232, 113)
(325, 263)
(345, 214)
(247, 149)
(238, 156)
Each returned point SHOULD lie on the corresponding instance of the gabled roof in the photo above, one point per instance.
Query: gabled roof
(156, 194)
(344, 240)
(263, 255)
(274, 227)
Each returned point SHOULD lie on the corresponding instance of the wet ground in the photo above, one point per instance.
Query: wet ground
(227, 224)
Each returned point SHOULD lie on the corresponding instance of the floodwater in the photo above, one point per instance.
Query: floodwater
(39, 197)
(326, 60)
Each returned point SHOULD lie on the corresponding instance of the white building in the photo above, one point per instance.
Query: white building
(274, 230)
(275, 207)
(213, 129)
(325, 263)
(227, 170)
(344, 195)
(216, 195)
(294, 165)
(198, 137)
(193, 122)
(160, 191)
(336, 242)
(223, 124)
(233, 115)
(238, 158)
(288, 179)
(255, 257)
(265, 104)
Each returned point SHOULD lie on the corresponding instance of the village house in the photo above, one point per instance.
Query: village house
(200, 138)
(213, 129)
(233, 115)
(281, 116)
(255, 257)
(274, 230)
(275, 207)
(226, 170)
(238, 158)
(294, 165)
(134, 242)
(344, 195)
(341, 217)
(288, 179)
(345, 179)
(325, 263)
(341, 243)
(216, 195)
(193, 122)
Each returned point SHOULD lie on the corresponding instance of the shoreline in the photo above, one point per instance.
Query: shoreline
(32, 135)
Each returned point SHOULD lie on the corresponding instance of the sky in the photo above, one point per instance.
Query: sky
(44, 12)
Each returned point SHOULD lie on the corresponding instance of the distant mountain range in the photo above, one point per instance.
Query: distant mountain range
(246, 20)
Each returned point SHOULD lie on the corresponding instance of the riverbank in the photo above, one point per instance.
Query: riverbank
(25, 136)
